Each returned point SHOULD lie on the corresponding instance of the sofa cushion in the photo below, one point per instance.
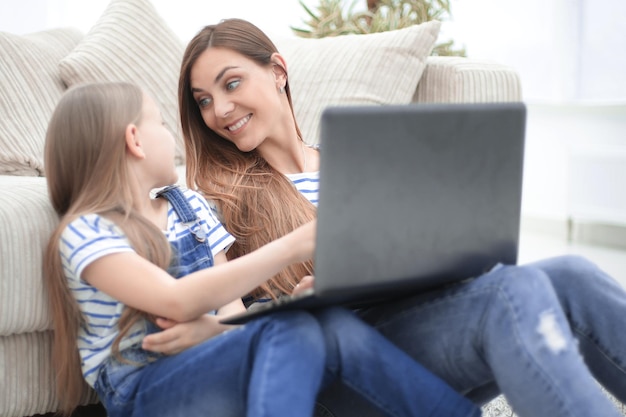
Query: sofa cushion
(30, 88)
(377, 68)
(131, 42)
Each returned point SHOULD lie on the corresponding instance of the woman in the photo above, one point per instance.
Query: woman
(515, 330)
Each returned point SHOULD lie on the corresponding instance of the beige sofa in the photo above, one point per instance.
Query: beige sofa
(132, 42)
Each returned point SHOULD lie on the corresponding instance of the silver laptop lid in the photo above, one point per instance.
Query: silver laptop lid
(419, 195)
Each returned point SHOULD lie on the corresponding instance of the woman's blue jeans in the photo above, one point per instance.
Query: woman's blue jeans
(372, 366)
(521, 331)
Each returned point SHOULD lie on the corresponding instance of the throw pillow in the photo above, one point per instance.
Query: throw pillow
(31, 88)
(131, 42)
(377, 68)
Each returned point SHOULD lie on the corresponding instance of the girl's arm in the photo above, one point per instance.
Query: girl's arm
(137, 283)
(176, 337)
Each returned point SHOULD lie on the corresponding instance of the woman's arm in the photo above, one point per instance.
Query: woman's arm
(234, 306)
(137, 283)
(231, 308)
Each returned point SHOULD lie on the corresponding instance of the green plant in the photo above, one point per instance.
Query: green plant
(336, 17)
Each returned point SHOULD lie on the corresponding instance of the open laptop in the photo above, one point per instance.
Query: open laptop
(412, 197)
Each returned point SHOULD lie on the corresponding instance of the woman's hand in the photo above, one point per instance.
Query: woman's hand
(304, 284)
(177, 337)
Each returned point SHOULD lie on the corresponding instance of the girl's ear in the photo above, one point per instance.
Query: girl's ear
(279, 67)
(133, 143)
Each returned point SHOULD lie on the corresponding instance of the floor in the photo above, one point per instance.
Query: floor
(535, 245)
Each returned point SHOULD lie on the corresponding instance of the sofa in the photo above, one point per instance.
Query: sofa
(132, 42)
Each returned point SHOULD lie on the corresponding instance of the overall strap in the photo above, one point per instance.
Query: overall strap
(183, 209)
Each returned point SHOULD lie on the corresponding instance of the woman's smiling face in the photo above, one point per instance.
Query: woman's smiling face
(238, 98)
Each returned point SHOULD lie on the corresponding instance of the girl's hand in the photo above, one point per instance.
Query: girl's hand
(304, 284)
(177, 337)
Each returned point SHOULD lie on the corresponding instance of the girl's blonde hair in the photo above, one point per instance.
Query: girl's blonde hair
(86, 172)
(256, 203)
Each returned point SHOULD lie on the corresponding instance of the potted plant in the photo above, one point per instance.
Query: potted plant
(335, 17)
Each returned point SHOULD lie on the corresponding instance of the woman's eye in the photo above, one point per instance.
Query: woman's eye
(232, 85)
(203, 102)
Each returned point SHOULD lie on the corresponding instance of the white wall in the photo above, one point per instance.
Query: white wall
(567, 52)
(185, 17)
(569, 56)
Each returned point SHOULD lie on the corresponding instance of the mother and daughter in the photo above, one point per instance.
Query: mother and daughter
(151, 344)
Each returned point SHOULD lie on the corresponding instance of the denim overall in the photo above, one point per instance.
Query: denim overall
(192, 252)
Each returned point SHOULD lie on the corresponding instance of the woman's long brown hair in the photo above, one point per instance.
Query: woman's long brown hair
(85, 154)
(256, 203)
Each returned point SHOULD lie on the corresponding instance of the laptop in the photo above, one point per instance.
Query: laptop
(411, 198)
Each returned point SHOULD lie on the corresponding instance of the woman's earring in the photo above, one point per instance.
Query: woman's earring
(281, 90)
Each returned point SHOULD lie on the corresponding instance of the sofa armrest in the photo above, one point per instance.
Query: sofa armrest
(27, 220)
(466, 80)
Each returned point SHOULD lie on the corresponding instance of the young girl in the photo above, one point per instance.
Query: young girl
(515, 330)
(111, 266)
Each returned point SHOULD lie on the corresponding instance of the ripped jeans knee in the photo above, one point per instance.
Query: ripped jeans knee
(525, 307)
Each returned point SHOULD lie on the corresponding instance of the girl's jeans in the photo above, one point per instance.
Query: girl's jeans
(269, 367)
(520, 331)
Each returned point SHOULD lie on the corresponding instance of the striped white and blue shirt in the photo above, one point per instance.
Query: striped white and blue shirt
(91, 237)
(308, 183)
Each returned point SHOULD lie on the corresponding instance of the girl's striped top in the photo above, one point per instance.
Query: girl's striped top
(91, 237)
